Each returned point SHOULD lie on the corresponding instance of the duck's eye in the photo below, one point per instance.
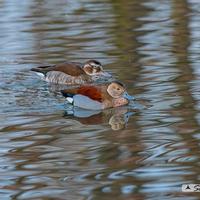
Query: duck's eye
(97, 69)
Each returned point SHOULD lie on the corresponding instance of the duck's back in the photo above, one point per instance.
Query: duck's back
(70, 68)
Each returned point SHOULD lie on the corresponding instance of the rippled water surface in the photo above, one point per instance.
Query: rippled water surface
(49, 152)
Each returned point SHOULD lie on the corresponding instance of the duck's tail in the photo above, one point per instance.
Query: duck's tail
(68, 96)
(41, 71)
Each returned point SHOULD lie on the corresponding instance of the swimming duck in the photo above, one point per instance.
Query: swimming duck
(71, 73)
(98, 97)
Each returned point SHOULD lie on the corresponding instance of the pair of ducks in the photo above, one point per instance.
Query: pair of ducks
(87, 96)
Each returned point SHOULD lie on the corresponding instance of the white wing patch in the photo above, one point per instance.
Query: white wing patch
(70, 99)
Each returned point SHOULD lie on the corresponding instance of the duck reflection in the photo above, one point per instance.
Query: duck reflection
(117, 118)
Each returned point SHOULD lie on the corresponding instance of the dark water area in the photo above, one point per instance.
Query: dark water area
(48, 152)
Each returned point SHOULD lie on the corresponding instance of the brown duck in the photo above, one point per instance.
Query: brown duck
(71, 73)
(98, 97)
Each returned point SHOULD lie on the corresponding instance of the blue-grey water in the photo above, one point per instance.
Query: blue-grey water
(49, 151)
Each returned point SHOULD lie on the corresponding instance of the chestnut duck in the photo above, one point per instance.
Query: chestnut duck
(98, 97)
(71, 73)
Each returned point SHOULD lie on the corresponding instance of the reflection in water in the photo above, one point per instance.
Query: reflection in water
(153, 47)
(117, 118)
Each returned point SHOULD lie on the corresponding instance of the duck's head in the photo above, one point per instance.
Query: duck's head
(94, 69)
(118, 92)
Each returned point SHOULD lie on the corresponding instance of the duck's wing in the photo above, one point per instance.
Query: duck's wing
(92, 92)
(69, 68)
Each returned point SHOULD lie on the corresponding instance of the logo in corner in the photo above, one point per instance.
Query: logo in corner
(191, 188)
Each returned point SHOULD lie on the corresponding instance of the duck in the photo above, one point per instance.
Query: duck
(98, 97)
(72, 73)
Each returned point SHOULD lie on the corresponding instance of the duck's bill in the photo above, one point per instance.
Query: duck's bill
(128, 97)
(105, 74)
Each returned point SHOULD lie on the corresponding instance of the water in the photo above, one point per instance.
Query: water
(49, 152)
